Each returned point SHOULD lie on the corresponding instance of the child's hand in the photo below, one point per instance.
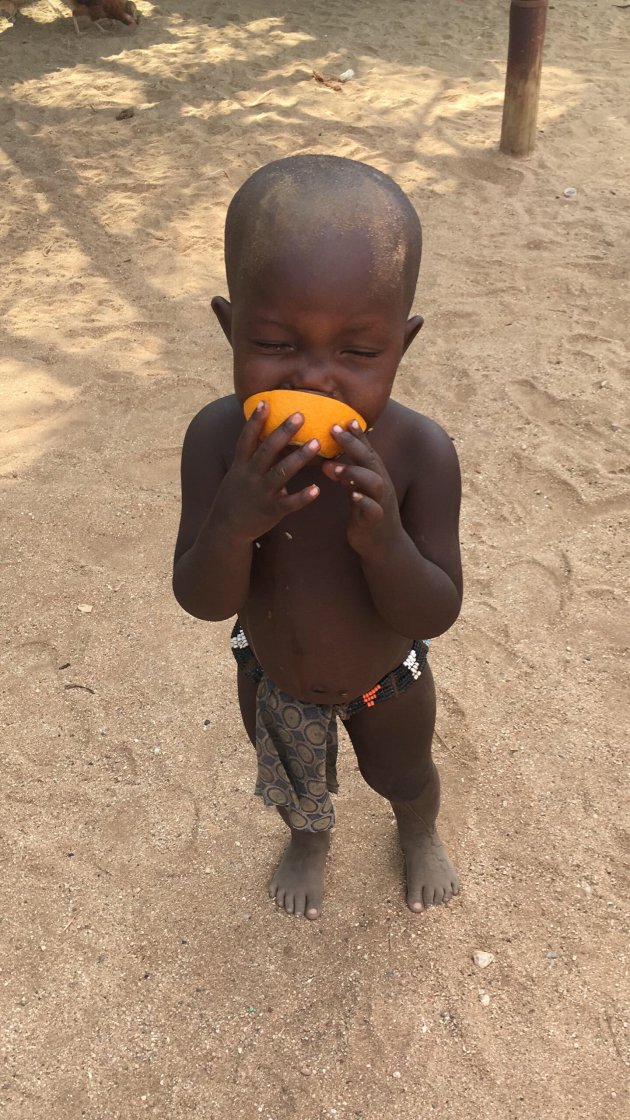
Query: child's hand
(253, 496)
(374, 514)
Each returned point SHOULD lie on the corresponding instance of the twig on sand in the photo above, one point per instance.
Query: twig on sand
(324, 80)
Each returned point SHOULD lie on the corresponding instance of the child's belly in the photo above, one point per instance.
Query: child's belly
(310, 618)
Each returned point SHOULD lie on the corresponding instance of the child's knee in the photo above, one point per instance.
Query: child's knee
(403, 785)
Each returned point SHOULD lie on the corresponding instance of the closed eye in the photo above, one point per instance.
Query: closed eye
(364, 353)
(276, 346)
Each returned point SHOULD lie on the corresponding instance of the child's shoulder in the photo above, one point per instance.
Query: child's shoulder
(216, 427)
(405, 432)
(215, 415)
(421, 459)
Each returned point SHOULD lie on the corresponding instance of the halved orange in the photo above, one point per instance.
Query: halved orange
(319, 412)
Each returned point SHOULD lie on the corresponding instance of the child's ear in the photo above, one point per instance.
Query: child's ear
(412, 326)
(223, 312)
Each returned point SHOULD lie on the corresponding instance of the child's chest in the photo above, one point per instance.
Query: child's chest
(307, 558)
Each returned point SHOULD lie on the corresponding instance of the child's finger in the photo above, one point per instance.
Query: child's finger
(270, 447)
(356, 478)
(291, 464)
(291, 503)
(354, 443)
(249, 438)
(369, 511)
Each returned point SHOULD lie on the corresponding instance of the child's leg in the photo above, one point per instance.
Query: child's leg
(298, 883)
(392, 742)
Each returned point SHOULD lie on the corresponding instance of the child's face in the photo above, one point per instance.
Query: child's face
(320, 323)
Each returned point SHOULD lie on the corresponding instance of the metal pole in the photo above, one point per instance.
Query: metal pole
(522, 83)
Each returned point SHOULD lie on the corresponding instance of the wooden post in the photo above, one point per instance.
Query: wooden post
(522, 83)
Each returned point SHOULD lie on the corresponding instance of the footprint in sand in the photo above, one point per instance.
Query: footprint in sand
(149, 831)
(533, 595)
(572, 427)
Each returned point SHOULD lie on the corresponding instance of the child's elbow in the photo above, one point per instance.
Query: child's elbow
(446, 616)
(198, 606)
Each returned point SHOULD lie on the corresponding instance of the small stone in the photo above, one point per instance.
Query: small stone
(125, 114)
(484, 999)
(551, 955)
(85, 608)
(570, 192)
(482, 959)
(396, 1074)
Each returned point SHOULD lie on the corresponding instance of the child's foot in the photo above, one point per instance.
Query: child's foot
(431, 877)
(298, 883)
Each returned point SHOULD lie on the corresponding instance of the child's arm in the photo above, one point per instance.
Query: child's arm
(410, 556)
(225, 508)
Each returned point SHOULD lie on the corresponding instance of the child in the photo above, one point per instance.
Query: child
(339, 570)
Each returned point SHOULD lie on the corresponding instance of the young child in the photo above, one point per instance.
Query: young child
(339, 570)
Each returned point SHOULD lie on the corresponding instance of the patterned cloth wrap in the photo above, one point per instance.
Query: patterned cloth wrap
(296, 742)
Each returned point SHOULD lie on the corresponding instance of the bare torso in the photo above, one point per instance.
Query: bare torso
(309, 617)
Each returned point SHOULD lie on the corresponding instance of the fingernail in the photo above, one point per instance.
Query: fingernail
(354, 424)
(259, 406)
(337, 429)
(297, 418)
(313, 445)
(338, 470)
(314, 491)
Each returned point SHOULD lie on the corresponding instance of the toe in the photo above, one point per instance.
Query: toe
(299, 905)
(280, 898)
(427, 896)
(312, 913)
(415, 905)
(289, 902)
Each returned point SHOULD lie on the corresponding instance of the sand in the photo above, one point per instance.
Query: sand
(144, 971)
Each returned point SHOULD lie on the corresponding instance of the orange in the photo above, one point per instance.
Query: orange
(319, 412)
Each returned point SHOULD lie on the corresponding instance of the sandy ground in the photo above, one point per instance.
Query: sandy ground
(144, 971)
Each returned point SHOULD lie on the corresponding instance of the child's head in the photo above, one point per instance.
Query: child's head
(322, 257)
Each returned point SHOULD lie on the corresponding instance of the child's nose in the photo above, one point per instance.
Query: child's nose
(313, 374)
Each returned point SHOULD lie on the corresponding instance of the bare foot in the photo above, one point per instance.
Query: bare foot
(431, 877)
(298, 883)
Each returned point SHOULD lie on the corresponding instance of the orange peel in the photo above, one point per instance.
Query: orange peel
(319, 412)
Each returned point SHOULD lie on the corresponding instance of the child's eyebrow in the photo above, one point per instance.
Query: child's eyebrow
(264, 319)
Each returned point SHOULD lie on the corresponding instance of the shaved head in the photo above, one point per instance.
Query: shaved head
(291, 207)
